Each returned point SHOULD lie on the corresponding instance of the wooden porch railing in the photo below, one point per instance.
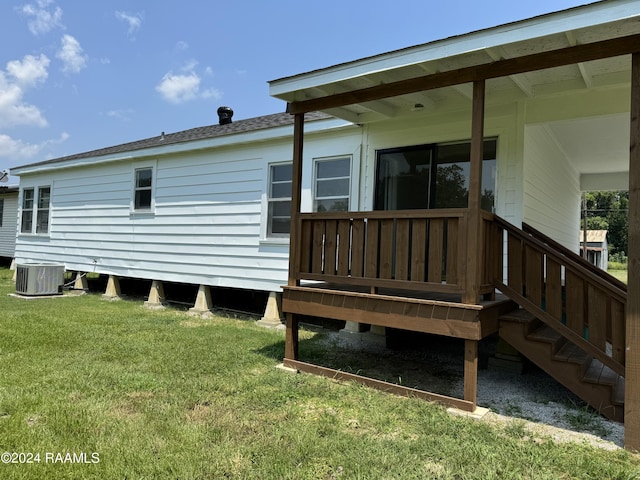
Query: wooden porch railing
(553, 283)
(419, 250)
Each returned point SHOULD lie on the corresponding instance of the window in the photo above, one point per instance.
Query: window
(279, 199)
(332, 185)
(39, 210)
(432, 176)
(42, 216)
(143, 188)
(27, 210)
(1, 210)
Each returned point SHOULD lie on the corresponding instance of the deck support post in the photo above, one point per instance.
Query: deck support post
(473, 270)
(81, 282)
(156, 295)
(291, 340)
(291, 344)
(471, 371)
(273, 311)
(632, 342)
(204, 302)
(296, 199)
(112, 292)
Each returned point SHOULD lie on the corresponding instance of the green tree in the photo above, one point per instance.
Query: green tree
(608, 210)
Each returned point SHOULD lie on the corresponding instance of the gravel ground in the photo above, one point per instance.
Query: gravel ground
(531, 397)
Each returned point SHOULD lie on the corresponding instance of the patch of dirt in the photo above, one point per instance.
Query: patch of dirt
(544, 407)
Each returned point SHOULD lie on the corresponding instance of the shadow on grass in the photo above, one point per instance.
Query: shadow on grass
(425, 362)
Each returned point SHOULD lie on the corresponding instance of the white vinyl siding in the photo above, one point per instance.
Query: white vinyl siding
(551, 189)
(208, 223)
(205, 227)
(8, 228)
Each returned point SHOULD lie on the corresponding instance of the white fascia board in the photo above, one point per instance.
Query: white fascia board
(567, 20)
(317, 126)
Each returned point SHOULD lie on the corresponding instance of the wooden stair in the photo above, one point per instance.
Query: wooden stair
(588, 378)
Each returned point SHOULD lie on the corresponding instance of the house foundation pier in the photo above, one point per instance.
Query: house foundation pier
(112, 292)
(273, 316)
(204, 301)
(156, 296)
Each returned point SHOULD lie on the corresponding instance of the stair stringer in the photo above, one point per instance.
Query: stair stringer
(568, 373)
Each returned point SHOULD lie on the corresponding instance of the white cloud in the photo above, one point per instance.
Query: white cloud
(42, 18)
(20, 75)
(30, 70)
(133, 20)
(212, 93)
(16, 149)
(180, 88)
(189, 66)
(71, 55)
(182, 45)
(121, 114)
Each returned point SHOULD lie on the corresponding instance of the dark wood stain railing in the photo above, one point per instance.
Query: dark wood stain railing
(554, 284)
(407, 249)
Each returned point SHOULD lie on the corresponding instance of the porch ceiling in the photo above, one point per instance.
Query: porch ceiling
(595, 145)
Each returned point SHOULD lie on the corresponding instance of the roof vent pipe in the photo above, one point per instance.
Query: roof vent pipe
(224, 115)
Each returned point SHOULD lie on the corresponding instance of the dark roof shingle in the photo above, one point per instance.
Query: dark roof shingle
(193, 134)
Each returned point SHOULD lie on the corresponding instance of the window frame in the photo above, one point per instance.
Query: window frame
(35, 210)
(349, 178)
(434, 163)
(272, 200)
(152, 166)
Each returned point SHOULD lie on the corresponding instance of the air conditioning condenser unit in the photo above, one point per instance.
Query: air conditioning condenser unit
(39, 278)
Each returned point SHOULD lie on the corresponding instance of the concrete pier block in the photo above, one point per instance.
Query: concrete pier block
(273, 316)
(204, 302)
(112, 291)
(156, 296)
(81, 282)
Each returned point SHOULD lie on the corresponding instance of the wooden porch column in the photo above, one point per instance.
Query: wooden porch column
(632, 365)
(291, 340)
(296, 196)
(474, 242)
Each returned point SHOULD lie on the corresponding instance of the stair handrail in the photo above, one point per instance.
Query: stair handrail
(571, 254)
(571, 262)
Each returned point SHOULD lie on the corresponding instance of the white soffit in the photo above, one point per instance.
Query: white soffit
(595, 145)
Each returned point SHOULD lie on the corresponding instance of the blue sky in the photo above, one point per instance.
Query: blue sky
(81, 75)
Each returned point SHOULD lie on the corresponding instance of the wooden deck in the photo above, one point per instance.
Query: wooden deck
(427, 312)
(435, 313)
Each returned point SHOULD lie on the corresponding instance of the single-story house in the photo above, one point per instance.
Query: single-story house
(433, 189)
(8, 218)
(597, 247)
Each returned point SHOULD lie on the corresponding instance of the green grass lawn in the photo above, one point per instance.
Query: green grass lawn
(619, 274)
(142, 394)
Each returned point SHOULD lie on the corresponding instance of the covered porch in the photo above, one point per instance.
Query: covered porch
(456, 271)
